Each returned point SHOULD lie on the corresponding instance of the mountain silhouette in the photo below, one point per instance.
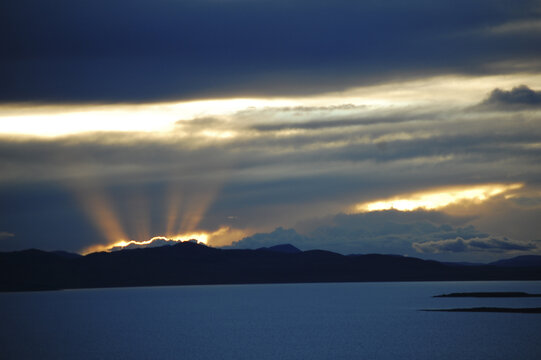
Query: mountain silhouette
(520, 261)
(189, 263)
(284, 248)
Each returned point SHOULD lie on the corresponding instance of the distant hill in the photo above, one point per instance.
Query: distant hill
(188, 263)
(66, 254)
(283, 248)
(461, 263)
(520, 261)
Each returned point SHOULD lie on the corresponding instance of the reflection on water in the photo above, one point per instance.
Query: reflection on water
(284, 321)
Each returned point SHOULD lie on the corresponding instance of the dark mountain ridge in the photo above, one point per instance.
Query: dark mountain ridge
(523, 260)
(188, 263)
(285, 248)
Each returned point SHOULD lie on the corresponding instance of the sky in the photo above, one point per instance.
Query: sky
(409, 128)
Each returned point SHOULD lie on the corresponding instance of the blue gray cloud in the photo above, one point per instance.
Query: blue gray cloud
(119, 50)
(428, 234)
(460, 245)
(518, 97)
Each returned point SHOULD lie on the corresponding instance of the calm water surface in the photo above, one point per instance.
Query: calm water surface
(285, 321)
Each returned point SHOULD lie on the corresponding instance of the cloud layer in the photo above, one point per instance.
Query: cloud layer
(261, 168)
(116, 50)
(377, 100)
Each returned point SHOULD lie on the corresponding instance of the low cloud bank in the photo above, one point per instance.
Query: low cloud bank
(415, 233)
(460, 245)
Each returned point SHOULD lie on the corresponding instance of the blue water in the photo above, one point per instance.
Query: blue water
(284, 321)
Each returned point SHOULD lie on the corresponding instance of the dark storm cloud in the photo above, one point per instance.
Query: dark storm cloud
(518, 97)
(103, 51)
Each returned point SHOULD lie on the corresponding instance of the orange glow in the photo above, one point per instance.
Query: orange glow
(185, 206)
(139, 215)
(199, 203)
(174, 203)
(181, 220)
(439, 198)
(97, 206)
(201, 236)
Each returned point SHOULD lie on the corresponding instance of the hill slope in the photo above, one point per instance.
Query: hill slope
(188, 263)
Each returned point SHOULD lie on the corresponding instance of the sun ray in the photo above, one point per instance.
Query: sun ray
(139, 215)
(174, 201)
(98, 207)
(196, 205)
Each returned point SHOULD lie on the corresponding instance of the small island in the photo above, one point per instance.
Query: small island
(515, 294)
(499, 294)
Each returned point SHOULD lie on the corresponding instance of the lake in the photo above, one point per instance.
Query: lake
(277, 321)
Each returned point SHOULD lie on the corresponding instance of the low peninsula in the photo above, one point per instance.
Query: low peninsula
(536, 310)
(499, 294)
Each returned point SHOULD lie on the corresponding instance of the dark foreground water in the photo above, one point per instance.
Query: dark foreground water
(291, 321)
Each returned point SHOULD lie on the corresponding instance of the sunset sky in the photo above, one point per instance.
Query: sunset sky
(395, 127)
